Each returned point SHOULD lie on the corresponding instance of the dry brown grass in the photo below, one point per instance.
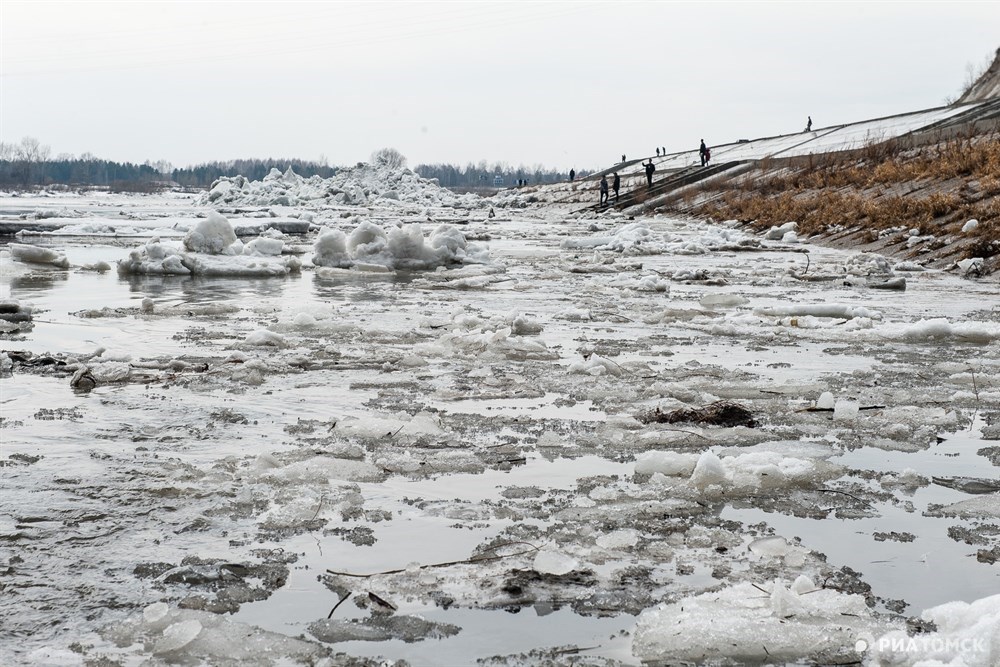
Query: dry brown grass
(877, 187)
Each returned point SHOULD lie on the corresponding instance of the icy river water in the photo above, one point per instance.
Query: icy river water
(484, 441)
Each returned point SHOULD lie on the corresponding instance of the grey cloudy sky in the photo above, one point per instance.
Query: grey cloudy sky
(554, 83)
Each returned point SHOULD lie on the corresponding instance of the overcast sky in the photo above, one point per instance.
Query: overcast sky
(559, 84)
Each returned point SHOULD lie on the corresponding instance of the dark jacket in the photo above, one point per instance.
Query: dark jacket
(615, 184)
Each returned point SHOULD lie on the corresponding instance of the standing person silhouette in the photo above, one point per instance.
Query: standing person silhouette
(809, 124)
(604, 191)
(572, 174)
(703, 153)
(649, 173)
(615, 184)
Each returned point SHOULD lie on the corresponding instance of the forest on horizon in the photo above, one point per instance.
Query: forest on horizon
(29, 164)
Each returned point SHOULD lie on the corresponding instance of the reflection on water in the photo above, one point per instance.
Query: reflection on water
(40, 282)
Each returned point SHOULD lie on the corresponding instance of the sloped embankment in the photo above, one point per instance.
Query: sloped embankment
(913, 203)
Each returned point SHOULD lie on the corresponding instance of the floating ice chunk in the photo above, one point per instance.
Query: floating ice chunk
(986, 506)
(330, 249)
(522, 325)
(31, 254)
(595, 365)
(367, 239)
(304, 320)
(969, 267)
(619, 539)
(722, 300)
(574, 314)
(708, 471)
(155, 612)
(322, 469)
(112, 371)
(550, 561)
(256, 266)
(673, 464)
(636, 238)
(825, 401)
(967, 635)
(779, 233)
(212, 235)
(153, 258)
(908, 265)
(381, 628)
(738, 624)
(263, 337)
(845, 410)
(775, 547)
(266, 246)
(551, 439)
(840, 311)
(99, 267)
(778, 547)
(177, 636)
(941, 329)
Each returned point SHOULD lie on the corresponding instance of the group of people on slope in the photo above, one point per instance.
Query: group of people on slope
(704, 153)
(649, 168)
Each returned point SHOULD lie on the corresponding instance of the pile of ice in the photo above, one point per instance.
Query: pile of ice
(967, 635)
(400, 248)
(756, 623)
(636, 238)
(868, 264)
(363, 185)
(211, 248)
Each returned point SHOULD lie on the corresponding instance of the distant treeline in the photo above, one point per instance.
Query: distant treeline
(484, 175)
(127, 176)
(28, 164)
(89, 172)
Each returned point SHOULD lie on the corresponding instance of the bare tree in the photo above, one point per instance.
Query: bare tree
(32, 150)
(388, 157)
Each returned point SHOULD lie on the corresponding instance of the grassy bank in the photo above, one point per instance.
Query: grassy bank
(875, 191)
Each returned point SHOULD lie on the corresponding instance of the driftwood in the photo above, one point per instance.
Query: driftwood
(720, 413)
(467, 561)
(863, 407)
(819, 278)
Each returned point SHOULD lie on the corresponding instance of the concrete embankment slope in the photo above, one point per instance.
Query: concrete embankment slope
(876, 184)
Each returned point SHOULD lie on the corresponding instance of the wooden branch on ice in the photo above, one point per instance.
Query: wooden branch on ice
(467, 561)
